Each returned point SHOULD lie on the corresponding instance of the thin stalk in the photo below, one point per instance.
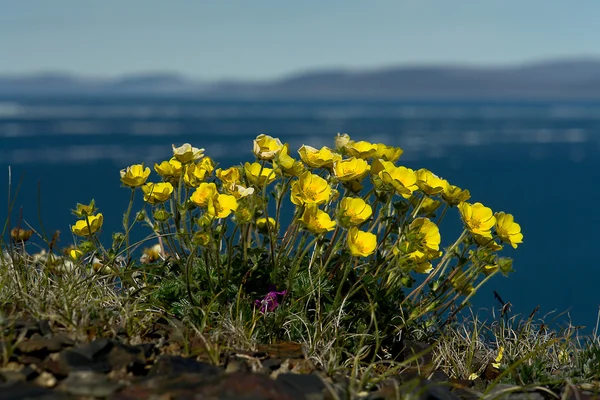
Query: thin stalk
(126, 221)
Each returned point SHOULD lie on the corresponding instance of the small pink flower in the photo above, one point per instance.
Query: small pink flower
(270, 302)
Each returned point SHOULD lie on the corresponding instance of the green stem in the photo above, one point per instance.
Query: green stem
(338, 294)
(126, 221)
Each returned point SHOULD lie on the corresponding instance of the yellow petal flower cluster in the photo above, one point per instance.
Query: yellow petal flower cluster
(453, 195)
(288, 165)
(310, 188)
(261, 224)
(353, 211)
(203, 193)
(508, 230)
(429, 183)
(216, 204)
(221, 206)
(259, 175)
(478, 218)
(402, 179)
(428, 236)
(315, 220)
(361, 244)
(361, 149)
(315, 158)
(195, 173)
(266, 147)
(350, 169)
(186, 153)
(155, 193)
(89, 225)
(135, 175)
(388, 153)
(422, 245)
(169, 170)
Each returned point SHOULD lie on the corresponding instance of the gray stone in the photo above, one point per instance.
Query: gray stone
(88, 383)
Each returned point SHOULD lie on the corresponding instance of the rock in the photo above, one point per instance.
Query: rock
(27, 391)
(236, 385)
(17, 373)
(303, 386)
(46, 379)
(26, 326)
(40, 346)
(90, 357)
(88, 383)
(504, 391)
(131, 358)
(167, 365)
(283, 350)
(439, 376)
(416, 389)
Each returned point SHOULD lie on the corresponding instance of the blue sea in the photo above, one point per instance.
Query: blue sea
(539, 161)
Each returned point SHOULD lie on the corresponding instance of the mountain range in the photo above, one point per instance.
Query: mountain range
(563, 78)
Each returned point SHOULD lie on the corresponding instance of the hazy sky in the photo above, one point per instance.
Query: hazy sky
(259, 39)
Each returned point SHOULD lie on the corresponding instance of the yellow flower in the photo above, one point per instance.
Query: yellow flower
(169, 169)
(155, 193)
(402, 179)
(353, 211)
(508, 230)
(323, 158)
(487, 242)
(208, 164)
(75, 254)
(478, 218)
(89, 225)
(152, 254)
(388, 153)
(310, 189)
(186, 153)
(266, 147)
(341, 140)
(361, 244)
(454, 195)
(379, 165)
(261, 224)
(315, 220)
(83, 210)
(361, 149)
(135, 175)
(428, 205)
(230, 176)
(420, 262)
(259, 175)
(203, 193)
(350, 169)
(428, 235)
(287, 164)
(221, 205)
(429, 183)
(197, 173)
(498, 357)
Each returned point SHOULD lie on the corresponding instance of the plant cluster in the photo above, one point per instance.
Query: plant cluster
(341, 234)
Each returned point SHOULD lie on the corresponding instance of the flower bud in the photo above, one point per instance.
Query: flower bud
(161, 215)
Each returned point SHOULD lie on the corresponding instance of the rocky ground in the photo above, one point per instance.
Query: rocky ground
(39, 362)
